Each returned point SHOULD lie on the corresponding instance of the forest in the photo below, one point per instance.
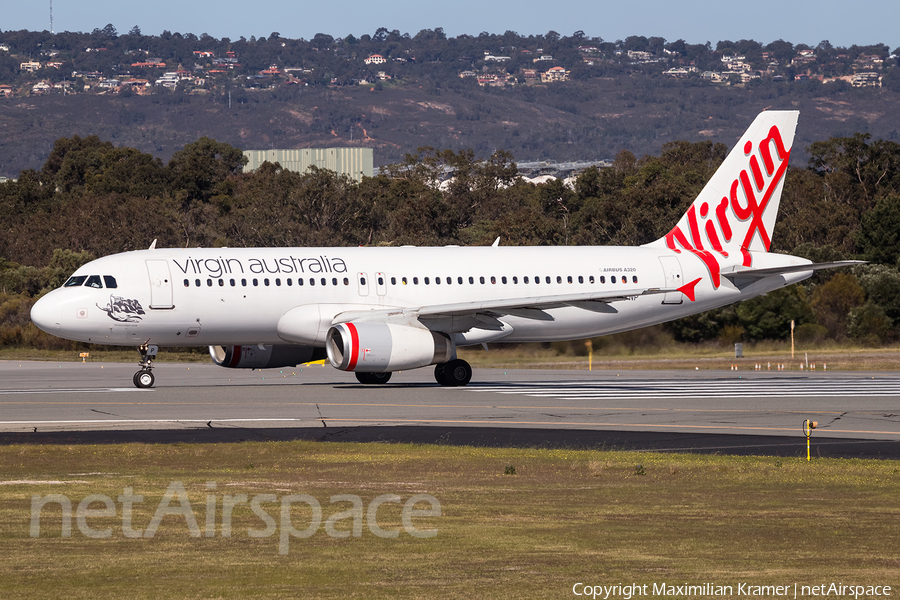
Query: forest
(92, 198)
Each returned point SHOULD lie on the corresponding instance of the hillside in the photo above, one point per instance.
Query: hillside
(585, 120)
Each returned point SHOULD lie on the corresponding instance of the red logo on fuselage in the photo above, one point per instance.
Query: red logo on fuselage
(750, 204)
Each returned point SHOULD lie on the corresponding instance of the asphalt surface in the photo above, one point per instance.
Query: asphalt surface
(755, 412)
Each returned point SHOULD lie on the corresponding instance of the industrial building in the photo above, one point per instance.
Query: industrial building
(353, 162)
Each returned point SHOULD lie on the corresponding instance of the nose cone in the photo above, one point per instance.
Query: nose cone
(47, 314)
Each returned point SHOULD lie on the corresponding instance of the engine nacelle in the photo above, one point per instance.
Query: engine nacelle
(267, 357)
(385, 347)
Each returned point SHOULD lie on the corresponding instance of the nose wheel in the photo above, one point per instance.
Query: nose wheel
(144, 378)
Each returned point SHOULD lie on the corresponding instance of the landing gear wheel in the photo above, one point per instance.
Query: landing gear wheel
(455, 373)
(368, 378)
(144, 379)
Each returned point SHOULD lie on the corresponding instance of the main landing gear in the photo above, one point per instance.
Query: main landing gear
(144, 378)
(455, 373)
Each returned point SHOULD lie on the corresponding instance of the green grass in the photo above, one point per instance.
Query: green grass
(615, 354)
(564, 517)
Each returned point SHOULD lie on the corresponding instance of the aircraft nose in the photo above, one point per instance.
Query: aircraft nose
(47, 314)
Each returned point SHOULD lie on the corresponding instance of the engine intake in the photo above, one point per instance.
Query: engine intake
(385, 347)
(267, 357)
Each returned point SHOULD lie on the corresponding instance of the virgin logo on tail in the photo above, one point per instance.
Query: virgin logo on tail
(738, 217)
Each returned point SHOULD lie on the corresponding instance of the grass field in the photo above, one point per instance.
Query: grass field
(573, 355)
(564, 517)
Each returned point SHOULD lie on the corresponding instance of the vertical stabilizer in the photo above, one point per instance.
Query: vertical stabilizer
(735, 213)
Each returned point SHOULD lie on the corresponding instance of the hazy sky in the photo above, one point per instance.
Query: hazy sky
(843, 23)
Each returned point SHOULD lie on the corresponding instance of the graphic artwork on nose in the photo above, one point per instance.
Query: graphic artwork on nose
(123, 310)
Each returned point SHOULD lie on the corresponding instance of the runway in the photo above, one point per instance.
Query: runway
(708, 411)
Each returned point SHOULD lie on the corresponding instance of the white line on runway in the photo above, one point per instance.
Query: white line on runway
(73, 391)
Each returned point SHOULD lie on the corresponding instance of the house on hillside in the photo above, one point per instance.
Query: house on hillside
(554, 74)
(30, 66)
(375, 59)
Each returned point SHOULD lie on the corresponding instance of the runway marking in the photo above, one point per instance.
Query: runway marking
(73, 391)
(768, 389)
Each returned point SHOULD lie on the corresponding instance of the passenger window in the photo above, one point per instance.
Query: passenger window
(278, 281)
(449, 280)
(255, 282)
(300, 281)
(603, 279)
(503, 279)
(569, 279)
(471, 280)
(94, 282)
(75, 281)
(612, 279)
(403, 280)
(537, 279)
(110, 281)
(290, 282)
(334, 281)
(437, 281)
(415, 281)
(244, 282)
(493, 280)
(426, 281)
(197, 282)
(232, 282)
(312, 281)
(187, 283)
(481, 279)
(362, 281)
(558, 279)
(393, 281)
(221, 283)
(525, 279)
(591, 279)
(634, 278)
(459, 280)
(209, 283)
(266, 282)
(547, 279)
(580, 279)
(346, 281)
(515, 279)
(323, 281)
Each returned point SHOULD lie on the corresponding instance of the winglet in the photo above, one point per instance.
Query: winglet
(688, 289)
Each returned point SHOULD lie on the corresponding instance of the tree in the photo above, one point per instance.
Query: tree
(200, 170)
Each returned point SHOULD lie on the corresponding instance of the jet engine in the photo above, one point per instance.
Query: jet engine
(265, 357)
(385, 347)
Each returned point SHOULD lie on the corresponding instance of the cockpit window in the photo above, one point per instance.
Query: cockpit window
(94, 282)
(75, 281)
(110, 281)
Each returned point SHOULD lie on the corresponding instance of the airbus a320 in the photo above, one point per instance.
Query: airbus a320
(373, 311)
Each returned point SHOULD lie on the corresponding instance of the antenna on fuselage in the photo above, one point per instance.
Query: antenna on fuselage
(152, 246)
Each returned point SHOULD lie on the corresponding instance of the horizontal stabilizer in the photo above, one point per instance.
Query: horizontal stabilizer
(744, 276)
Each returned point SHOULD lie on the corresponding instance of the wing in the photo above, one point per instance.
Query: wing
(462, 316)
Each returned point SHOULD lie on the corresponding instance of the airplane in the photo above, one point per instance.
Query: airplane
(373, 311)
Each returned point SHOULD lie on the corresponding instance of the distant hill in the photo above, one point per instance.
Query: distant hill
(577, 120)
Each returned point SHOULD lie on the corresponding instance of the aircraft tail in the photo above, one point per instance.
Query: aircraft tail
(735, 213)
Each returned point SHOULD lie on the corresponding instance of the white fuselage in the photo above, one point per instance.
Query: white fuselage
(199, 297)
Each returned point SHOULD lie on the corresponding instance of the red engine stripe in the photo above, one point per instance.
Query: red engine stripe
(235, 357)
(354, 346)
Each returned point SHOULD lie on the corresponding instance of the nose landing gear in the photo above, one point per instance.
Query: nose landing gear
(144, 378)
